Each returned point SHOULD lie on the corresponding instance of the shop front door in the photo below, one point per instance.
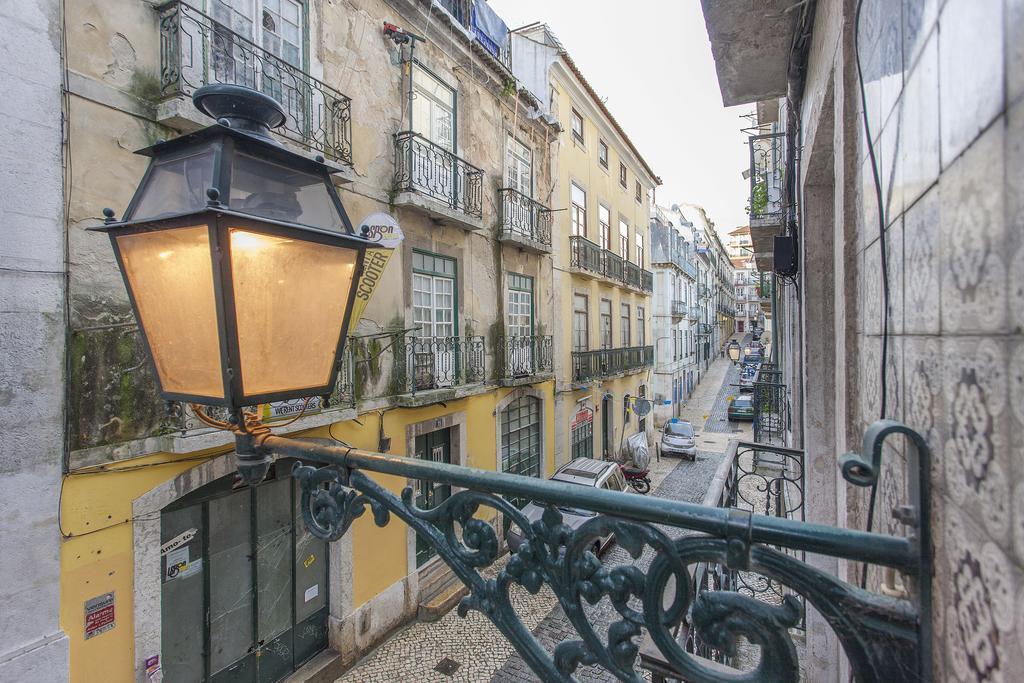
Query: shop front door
(436, 447)
(244, 585)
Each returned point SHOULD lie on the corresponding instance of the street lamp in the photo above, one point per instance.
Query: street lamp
(239, 260)
(734, 351)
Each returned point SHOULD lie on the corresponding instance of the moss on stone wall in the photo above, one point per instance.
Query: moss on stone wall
(112, 393)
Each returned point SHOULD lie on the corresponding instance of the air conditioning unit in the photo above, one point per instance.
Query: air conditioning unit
(786, 258)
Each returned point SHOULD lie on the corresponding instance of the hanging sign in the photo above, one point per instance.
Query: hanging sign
(99, 615)
(383, 230)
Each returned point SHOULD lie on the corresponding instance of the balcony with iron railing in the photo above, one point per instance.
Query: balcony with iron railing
(465, 13)
(443, 365)
(196, 50)
(525, 222)
(585, 257)
(752, 478)
(694, 313)
(525, 359)
(679, 309)
(599, 364)
(433, 180)
(614, 266)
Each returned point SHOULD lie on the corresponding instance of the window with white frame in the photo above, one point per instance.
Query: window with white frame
(578, 210)
(518, 166)
(604, 219)
(624, 326)
(433, 108)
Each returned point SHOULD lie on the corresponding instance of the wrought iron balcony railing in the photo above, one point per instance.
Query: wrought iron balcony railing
(646, 280)
(883, 638)
(758, 479)
(679, 309)
(524, 217)
(766, 178)
(196, 50)
(614, 266)
(585, 255)
(771, 405)
(440, 362)
(429, 169)
(694, 313)
(631, 275)
(602, 363)
(464, 12)
(525, 356)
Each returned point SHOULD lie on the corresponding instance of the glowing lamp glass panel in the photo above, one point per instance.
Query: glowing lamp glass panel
(290, 301)
(171, 279)
(734, 353)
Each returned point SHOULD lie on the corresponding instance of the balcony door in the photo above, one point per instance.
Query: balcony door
(519, 325)
(518, 166)
(255, 27)
(433, 164)
(435, 350)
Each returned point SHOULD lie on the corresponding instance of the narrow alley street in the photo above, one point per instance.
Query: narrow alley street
(479, 650)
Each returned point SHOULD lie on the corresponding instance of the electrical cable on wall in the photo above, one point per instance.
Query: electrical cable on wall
(876, 177)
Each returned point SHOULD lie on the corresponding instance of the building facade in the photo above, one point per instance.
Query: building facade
(459, 332)
(676, 312)
(903, 303)
(602, 278)
(746, 281)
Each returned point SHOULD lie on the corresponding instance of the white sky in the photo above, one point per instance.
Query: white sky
(652, 60)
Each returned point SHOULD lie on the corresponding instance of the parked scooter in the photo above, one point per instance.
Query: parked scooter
(637, 478)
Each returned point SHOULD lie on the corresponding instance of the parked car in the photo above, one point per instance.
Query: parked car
(752, 355)
(678, 438)
(741, 408)
(601, 474)
(747, 378)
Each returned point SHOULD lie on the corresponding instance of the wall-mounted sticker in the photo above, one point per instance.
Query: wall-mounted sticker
(154, 674)
(178, 566)
(308, 561)
(178, 541)
(312, 592)
(99, 615)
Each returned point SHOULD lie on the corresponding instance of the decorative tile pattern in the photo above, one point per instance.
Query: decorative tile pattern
(973, 239)
(921, 266)
(871, 289)
(870, 378)
(923, 407)
(975, 454)
(979, 612)
(896, 269)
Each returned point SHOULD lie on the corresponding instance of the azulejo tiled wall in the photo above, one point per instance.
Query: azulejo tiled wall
(946, 103)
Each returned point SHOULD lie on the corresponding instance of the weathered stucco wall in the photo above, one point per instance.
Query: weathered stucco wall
(32, 309)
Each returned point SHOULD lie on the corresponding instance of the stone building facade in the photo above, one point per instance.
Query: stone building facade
(943, 84)
(436, 132)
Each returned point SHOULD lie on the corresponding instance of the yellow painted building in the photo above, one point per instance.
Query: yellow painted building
(602, 280)
(452, 359)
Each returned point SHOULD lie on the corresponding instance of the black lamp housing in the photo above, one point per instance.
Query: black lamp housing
(236, 252)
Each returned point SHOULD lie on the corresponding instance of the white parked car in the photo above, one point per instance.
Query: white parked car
(678, 438)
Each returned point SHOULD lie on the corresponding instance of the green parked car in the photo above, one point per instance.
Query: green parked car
(741, 408)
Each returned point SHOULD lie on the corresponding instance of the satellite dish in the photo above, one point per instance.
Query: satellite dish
(641, 406)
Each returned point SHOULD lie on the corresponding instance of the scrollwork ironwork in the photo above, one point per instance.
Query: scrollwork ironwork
(880, 635)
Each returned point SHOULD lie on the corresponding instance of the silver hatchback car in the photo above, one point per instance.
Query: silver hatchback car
(585, 472)
(678, 438)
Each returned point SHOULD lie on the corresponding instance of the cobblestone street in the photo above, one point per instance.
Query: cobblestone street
(479, 649)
